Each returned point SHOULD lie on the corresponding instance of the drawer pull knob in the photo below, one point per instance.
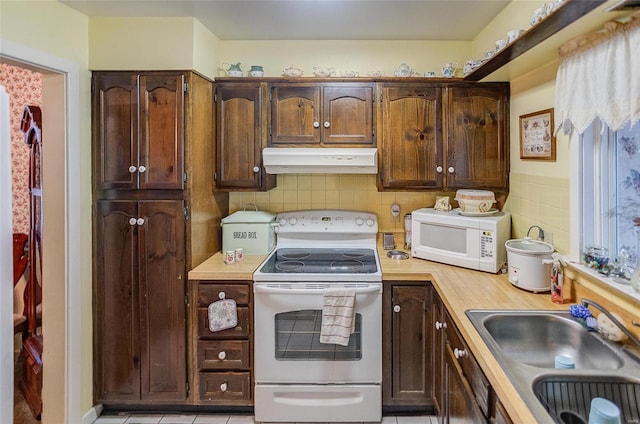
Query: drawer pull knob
(142, 169)
(222, 295)
(222, 355)
(223, 387)
(460, 353)
(132, 169)
(396, 308)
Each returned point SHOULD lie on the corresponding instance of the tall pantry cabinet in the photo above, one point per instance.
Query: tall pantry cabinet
(155, 216)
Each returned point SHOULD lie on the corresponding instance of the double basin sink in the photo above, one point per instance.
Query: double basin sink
(525, 344)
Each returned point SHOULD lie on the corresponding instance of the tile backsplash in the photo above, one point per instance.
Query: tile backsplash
(335, 191)
(543, 201)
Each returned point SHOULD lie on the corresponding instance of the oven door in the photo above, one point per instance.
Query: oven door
(287, 327)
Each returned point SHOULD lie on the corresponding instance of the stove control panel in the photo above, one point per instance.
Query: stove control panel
(327, 221)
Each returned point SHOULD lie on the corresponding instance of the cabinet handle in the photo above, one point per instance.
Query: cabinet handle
(222, 355)
(440, 325)
(223, 387)
(396, 308)
(222, 295)
(256, 169)
(140, 221)
(132, 169)
(327, 124)
(451, 169)
(460, 353)
(316, 124)
(142, 169)
(133, 221)
(439, 169)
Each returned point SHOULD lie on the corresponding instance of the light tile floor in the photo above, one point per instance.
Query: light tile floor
(226, 419)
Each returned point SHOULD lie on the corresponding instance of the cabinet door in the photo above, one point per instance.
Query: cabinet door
(347, 114)
(461, 407)
(115, 131)
(411, 137)
(411, 334)
(295, 114)
(477, 131)
(438, 354)
(162, 300)
(160, 165)
(138, 127)
(239, 136)
(116, 317)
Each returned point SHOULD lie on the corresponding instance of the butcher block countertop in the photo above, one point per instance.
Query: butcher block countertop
(459, 288)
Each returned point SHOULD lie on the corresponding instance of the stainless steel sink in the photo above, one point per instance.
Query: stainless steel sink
(525, 344)
(535, 339)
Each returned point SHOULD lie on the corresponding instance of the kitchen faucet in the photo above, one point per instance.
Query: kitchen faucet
(540, 232)
(634, 339)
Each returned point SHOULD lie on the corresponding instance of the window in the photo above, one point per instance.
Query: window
(609, 166)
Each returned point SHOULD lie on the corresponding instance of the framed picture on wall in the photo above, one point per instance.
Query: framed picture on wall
(537, 141)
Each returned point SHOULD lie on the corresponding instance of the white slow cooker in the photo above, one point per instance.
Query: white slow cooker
(526, 262)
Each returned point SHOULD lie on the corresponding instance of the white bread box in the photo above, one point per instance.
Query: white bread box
(254, 231)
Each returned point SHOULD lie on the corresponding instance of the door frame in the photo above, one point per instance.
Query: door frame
(62, 226)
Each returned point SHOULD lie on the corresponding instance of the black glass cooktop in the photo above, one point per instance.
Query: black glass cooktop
(321, 261)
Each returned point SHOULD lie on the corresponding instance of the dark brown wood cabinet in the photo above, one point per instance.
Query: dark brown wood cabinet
(411, 145)
(140, 301)
(317, 114)
(438, 136)
(139, 131)
(223, 358)
(477, 136)
(240, 137)
(407, 355)
(153, 159)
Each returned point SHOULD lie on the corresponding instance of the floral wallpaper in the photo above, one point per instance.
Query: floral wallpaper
(24, 87)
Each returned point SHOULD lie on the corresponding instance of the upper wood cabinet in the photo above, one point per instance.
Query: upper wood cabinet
(411, 144)
(240, 137)
(443, 136)
(138, 127)
(322, 114)
(476, 135)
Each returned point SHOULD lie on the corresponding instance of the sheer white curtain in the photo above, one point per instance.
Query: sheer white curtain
(599, 77)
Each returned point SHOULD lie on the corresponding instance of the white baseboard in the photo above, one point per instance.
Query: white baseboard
(92, 414)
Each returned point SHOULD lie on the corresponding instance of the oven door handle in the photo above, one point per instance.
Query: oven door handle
(277, 290)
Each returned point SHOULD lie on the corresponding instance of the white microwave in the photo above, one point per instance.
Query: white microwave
(475, 242)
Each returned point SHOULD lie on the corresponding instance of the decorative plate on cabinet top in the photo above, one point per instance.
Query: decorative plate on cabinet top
(323, 72)
(292, 72)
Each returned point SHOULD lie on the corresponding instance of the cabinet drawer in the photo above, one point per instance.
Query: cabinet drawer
(238, 332)
(472, 371)
(223, 355)
(225, 388)
(208, 293)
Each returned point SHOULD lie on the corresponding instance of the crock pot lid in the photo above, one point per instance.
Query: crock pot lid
(530, 245)
(249, 216)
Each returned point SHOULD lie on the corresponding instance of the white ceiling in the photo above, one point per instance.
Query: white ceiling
(459, 20)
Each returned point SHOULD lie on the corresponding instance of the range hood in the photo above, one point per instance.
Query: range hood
(305, 160)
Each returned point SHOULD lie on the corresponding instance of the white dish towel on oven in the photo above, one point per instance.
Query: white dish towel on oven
(338, 316)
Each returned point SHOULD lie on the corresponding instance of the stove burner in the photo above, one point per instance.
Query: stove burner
(294, 254)
(358, 253)
(346, 266)
(289, 266)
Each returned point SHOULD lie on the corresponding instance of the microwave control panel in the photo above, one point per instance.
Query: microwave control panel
(487, 244)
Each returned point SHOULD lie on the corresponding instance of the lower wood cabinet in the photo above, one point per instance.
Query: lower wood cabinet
(223, 359)
(139, 308)
(464, 394)
(407, 339)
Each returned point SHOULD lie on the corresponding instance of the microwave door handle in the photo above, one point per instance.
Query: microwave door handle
(277, 290)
